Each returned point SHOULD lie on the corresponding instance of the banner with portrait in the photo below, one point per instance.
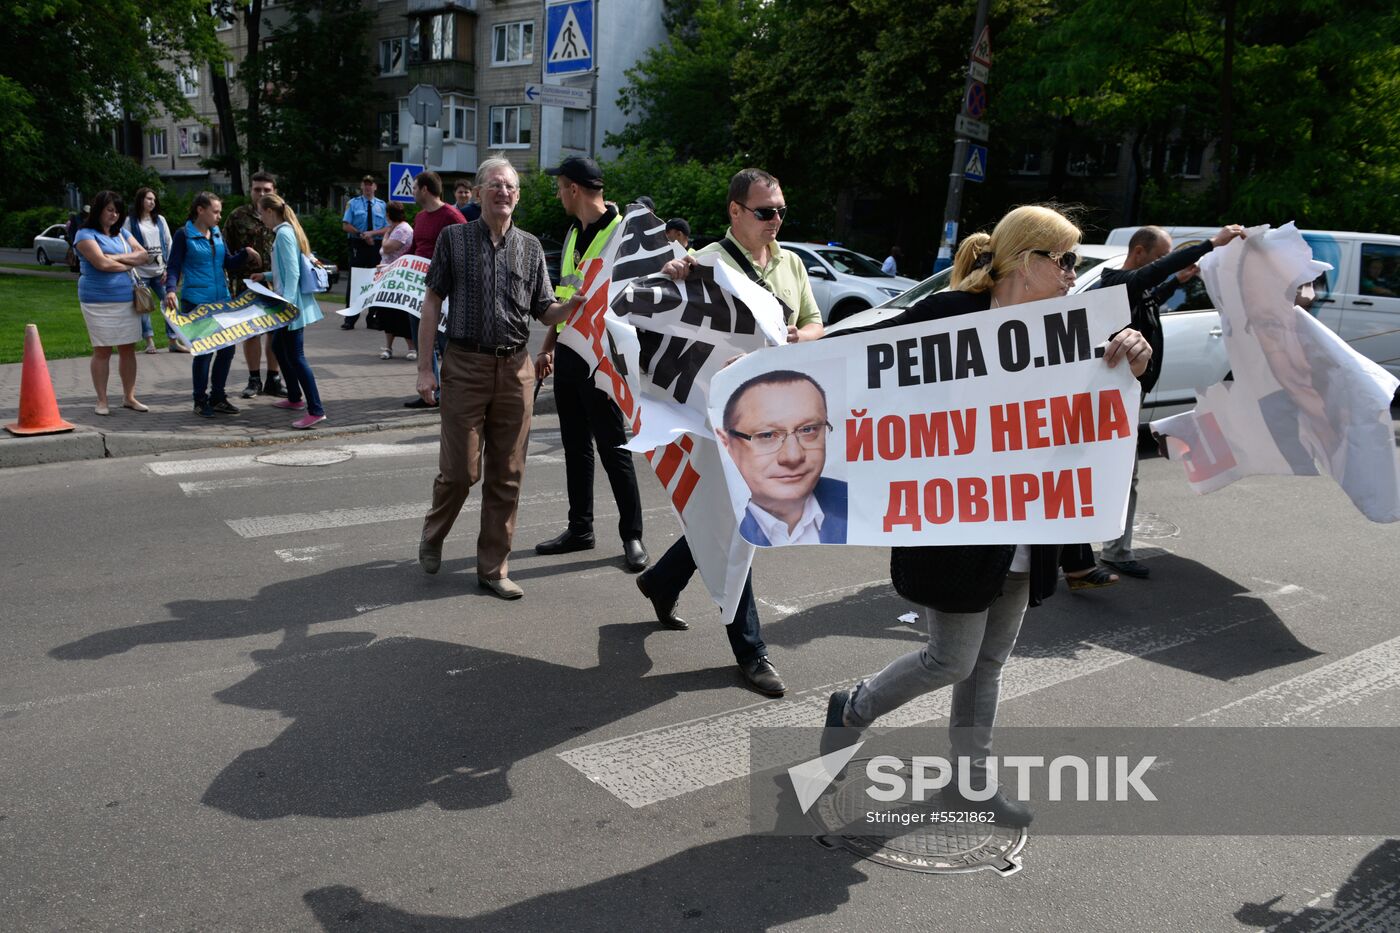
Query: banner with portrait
(1002, 427)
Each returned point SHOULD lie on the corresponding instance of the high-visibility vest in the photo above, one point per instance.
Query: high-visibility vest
(570, 279)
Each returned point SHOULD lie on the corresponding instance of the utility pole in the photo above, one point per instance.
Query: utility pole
(969, 124)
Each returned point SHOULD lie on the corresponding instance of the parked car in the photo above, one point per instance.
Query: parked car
(50, 246)
(1193, 355)
(845, 282)
(1359, 299)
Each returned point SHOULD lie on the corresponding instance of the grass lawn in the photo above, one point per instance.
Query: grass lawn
(53, 305)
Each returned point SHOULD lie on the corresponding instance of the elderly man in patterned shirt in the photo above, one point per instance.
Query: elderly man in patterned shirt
(493, 275)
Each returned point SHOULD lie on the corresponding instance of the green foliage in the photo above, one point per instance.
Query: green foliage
(539, 211)
(320, 79)
(324, 233)
(682, 94)
(19, 228)
(71, 70)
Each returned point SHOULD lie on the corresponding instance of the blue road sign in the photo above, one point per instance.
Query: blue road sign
(569, 38)
(976, 167)
(401, 175)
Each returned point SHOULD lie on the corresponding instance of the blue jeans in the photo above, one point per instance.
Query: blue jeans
(220, 360)
(965, 649)
(296, 372)
(157, 284)
(669, 575)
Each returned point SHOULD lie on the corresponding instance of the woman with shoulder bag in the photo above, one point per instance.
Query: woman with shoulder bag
(195, 275)
(147, 226)
(975, 597)
(106, 293)
(291, 263)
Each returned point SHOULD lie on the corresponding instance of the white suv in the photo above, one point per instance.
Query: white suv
(844, 281)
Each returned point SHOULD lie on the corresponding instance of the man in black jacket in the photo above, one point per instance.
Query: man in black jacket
(1151, 273)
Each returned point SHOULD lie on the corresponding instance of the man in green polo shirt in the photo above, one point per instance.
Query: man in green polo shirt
(750, 245)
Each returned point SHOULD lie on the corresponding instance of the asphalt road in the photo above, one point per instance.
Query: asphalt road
(230, 700)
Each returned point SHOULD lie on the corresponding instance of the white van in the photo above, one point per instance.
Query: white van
(1359, 298)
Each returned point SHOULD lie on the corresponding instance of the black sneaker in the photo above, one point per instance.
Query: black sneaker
(274, 386)
(224, 407)
(253, 388)
(203, 409)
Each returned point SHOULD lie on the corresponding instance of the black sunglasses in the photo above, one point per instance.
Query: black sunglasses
(1067, 260)
(765, 214)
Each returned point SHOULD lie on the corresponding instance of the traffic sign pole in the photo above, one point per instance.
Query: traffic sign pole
(953, 206)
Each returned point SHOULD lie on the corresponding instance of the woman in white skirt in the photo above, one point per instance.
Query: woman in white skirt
(106, 257)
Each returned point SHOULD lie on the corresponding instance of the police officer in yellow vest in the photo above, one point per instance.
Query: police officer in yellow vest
(586, 413)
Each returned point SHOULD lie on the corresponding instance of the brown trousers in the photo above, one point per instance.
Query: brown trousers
(486, 401)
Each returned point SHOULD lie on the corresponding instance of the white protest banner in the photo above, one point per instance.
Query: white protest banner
(1001, 427)
(400, 284)
(1300, 397)
(656, 344)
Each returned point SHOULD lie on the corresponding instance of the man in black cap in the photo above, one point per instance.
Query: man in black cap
(586, 413)
(678, 231)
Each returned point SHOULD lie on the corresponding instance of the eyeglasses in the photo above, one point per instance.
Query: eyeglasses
(765, 214)
(810, 436)
(1067, 260)
(505, 186)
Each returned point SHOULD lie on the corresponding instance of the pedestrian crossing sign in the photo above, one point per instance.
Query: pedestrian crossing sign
(976, 167)
(569, 38)
(401, 176)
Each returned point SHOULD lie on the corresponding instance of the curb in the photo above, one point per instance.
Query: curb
(87, 444)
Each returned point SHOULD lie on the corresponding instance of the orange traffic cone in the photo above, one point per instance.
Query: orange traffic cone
(38, 409)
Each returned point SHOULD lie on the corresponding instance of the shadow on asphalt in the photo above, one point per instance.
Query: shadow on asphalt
(1182, 596)
(1368, 900)
(744, 883)
(389, 725)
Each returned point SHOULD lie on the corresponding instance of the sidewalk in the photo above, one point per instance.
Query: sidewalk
(360, 392)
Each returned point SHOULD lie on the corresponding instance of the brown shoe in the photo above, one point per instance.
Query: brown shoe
(503, 587)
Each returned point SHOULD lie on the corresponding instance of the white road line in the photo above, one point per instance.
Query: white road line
(206, 487)
(406, 547)
(658, 764)
(196, 675)
(210, 465)
(294, 522)
(360, 451)
(1306, 698)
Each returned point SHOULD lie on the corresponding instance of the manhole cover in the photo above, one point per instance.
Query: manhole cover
(1151, 525)
(309, 456)
(941, 848)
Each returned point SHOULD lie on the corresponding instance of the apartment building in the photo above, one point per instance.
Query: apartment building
(480, 55)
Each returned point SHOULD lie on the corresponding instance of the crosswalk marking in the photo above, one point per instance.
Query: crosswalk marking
(293, 522)
(1349, 681)
(659, 764)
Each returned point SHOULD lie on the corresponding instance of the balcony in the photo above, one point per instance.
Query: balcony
(438, 6)
(444, 75)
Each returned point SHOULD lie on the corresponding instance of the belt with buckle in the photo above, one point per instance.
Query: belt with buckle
(500, 352)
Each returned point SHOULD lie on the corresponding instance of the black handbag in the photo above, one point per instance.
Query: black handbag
(951, 578)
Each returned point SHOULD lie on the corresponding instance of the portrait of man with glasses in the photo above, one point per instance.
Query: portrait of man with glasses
(776, 429)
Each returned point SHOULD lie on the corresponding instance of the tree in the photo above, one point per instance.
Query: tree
(231, 160)
(69, 76)
(681, 95)
(310, 126)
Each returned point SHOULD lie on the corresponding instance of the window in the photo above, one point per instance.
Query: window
(391, 56)
(510, 126)
(216, 140)
(461, 122)
(513, 44)
(1380, 270)
(229, 70)
(187, 80)
(1029, 163)
(220, 23)
(388, 129)
(575, 134)
(187, 140)
(1184, 159)
(156, 144)
(433, 38)
(1094, 160)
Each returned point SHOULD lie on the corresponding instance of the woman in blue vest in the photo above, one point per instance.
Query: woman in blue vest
(198, 260)
(290, 254)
